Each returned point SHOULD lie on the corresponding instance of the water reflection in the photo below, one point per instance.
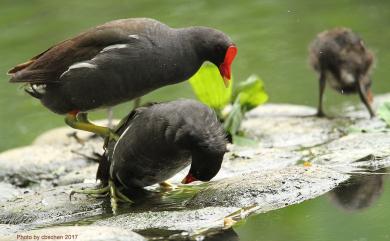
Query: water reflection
(359, 192)
(226, 235)
(364, 198)
(158, 234)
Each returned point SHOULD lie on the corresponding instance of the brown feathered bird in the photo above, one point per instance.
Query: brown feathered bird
(343, 61)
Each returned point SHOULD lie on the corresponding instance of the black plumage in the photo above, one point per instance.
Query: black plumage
(343, 61)
(157, 141)
(119, 61)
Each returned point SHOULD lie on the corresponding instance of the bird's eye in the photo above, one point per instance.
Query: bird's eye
(218, 48)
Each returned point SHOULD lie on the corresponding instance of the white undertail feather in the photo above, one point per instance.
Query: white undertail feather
(37, 88)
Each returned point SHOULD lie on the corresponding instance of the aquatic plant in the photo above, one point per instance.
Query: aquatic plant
(230, 103)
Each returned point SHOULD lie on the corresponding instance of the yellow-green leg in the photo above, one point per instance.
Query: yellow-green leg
(110, 189)
(80, 121)
(96, 192)
(116, 196)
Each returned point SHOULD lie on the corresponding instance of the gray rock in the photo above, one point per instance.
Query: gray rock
(49, 207)
(282, 125)
(349, 150)
(33, 164)
(268, 190)
(188, 220)
(84, 233)
(6, 229)
(7, 191)
(281, 110)
(84, 175)
(243, 160)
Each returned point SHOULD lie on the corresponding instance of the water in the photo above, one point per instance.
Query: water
(272, 37)
(357, 210)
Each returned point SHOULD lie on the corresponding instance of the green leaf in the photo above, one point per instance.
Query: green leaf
(209, 88)
(384, 112)
(251, 92)
(233, 120)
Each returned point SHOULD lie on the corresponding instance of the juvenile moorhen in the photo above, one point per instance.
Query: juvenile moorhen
(119, 61)
(341, 59)
(156, 142)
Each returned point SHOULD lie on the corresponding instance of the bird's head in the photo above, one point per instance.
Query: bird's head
(204, 166)
(218, 48)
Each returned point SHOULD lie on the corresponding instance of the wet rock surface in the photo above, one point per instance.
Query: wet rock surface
(299, 157)
(269, 190)
(48, 206)
(188, 220)
(26, 166)
(284, 125)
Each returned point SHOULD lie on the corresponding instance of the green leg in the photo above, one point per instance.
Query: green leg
(115, 194)
(80, 121)
(90, 191)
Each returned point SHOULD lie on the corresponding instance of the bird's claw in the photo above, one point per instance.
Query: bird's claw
(110, 189)
(320, 114)
(90, 191)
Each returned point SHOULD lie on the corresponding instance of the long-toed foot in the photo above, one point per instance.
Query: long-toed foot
(79, 120)
(95, 192)
(111, 189)
(116, 196)
(320, 113)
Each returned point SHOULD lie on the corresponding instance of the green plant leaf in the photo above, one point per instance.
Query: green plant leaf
(233, 120)
(209, 88)
(384, 112)
(251, 92)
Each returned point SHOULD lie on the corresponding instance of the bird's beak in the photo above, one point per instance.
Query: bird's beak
(225, 68)
(188, 179)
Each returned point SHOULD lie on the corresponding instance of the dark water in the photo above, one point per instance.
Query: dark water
(272, 37)
(358, 210)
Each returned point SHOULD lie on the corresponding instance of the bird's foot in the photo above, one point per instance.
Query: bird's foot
(116, 196)
(111, 189)
(166, 186)
(320, 113)
(95, 192)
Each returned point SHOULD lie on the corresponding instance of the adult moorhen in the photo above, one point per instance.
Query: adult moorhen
(119, 61)
(156, 142)
(341, 58)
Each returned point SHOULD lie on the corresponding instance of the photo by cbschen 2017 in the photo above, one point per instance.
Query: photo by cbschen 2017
(195, 120)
